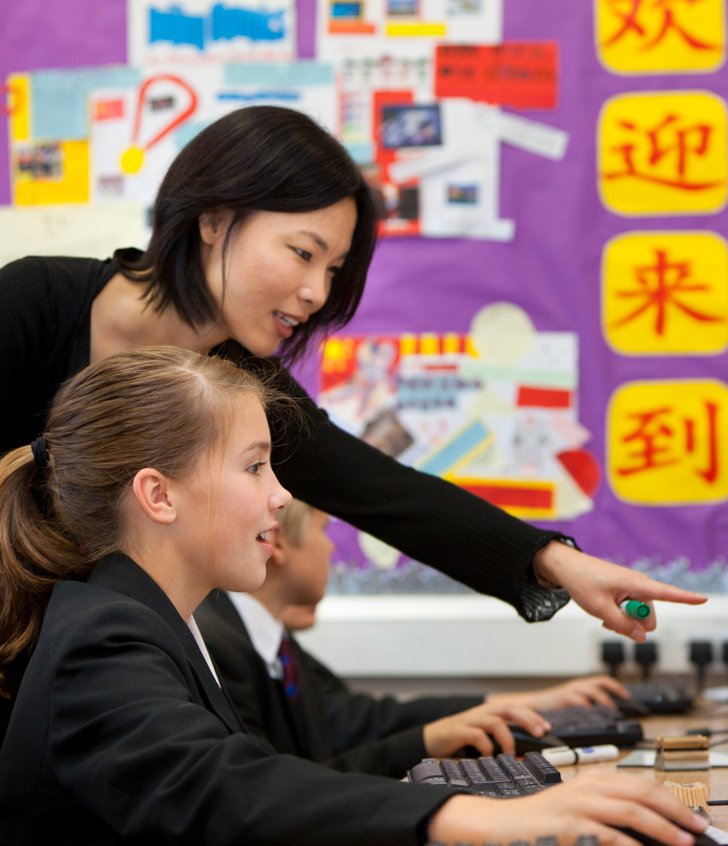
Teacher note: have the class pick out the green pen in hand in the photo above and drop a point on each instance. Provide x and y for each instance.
(636, 609)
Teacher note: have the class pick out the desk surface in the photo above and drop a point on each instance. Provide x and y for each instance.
(716, 778)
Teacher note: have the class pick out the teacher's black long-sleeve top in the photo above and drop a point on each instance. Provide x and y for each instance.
(45, 306)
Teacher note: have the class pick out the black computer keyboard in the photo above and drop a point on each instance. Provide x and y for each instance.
(660, 696)
(592, 725)
(589, 725)
(500, 776)
(503, 777)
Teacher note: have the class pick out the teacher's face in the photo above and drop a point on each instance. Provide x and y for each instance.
(279, 269)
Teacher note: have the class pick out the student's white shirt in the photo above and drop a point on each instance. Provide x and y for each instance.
(197, 635)
(265, 631)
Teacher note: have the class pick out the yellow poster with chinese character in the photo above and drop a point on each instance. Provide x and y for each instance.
(663, 153)
(667, 442)
(660, 36)
(665, 293)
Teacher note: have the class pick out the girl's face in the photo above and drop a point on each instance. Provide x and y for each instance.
(227, 507)
(279, 271)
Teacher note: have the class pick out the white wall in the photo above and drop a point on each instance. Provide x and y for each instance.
(474, 636)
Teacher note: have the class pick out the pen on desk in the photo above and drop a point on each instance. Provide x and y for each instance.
(562, 756)
(635, 608)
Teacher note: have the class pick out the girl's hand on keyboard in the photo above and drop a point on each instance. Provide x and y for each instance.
(478, 727)
(597, 803)
(590, 690)
(599, 587)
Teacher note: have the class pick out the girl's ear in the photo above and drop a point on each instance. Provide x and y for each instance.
(212, 226)
(279, 555)
(151, 490)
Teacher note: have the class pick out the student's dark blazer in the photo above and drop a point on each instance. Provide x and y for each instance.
(327, 723)
(120, 735)
(354, 718)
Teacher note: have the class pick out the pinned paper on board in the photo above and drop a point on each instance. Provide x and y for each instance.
(665, 293)
(649, 38)
(666, 442)
(452, 168)
(433, 163)
(500, 420)
(109, 134)
(519, 74)
(360, 79)
(78, 229)
(189, 30)
(367, 28)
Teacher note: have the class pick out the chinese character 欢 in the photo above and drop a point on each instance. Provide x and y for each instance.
(650, 21)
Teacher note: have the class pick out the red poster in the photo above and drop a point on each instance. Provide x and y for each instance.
(521, 74)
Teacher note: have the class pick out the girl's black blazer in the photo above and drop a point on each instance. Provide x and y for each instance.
(120, 734)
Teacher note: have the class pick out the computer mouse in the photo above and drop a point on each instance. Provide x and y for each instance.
(703, 839)
(525, 742)
(632, 708)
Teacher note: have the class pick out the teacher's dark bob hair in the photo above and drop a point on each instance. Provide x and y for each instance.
(257, 158)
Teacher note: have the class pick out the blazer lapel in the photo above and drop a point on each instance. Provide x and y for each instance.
(118, 572)
(213, 693)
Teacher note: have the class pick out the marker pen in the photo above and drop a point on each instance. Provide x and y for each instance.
(635, 608)
(562, 756)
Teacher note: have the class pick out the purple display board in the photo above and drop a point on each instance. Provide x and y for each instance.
(553, 268)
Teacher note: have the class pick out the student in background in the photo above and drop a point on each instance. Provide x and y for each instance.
(150, 487)
(320, 719)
